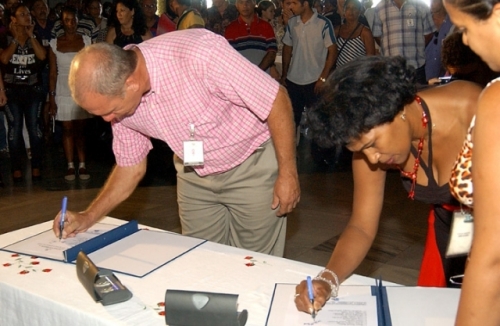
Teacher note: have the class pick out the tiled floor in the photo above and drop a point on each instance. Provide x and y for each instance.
(313, 228)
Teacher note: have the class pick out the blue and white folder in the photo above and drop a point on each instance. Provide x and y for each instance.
(355, 305)
(124, 249)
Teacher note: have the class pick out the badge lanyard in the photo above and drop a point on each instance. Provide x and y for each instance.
(193, 149)
(461, 233)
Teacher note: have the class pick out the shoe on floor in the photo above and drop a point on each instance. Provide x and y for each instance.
(83, 174)
(17, 176)
(35, 174)
(70, 175)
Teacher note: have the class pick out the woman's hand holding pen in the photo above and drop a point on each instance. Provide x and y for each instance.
(321, 293)
(74, 223)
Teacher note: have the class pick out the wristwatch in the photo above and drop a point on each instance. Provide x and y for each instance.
(322, 79)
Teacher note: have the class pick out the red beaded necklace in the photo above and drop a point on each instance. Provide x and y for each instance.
(413, 175)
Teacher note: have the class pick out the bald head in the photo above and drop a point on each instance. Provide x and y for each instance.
(101, 68)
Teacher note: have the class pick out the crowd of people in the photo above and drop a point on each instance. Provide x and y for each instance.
(368, 79)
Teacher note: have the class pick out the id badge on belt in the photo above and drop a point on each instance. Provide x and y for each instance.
(461, 234)
(193, 149)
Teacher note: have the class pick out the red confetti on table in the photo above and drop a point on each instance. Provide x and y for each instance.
(250, 264)
(161, 313)
(15, 255)
(7, 264)
(161, 304)
(35, 263)
(46, 270)
(24, 272)
(248, 257)
(34, 257)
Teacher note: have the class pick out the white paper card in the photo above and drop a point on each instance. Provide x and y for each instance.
(462, 232)
(193, 153)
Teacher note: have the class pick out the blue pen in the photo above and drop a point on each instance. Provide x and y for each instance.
(63, 216)
(311, 295)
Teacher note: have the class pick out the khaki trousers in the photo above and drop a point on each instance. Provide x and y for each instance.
(234, 207)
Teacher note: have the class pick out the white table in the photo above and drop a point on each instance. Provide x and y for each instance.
(56, 297)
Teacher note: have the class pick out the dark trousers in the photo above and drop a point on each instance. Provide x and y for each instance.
(420, 77)
(24, 103)
(301, 96)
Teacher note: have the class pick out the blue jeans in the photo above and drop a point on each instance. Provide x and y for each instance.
(24, 102)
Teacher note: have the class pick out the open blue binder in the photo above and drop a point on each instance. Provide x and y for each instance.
(124, 249)
(282, 304)
(101, 241)
(383, 312)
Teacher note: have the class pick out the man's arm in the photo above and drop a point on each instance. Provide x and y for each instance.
(282, 128)
(268, 60)
(287, 57)
(120, 184)
(329, 62)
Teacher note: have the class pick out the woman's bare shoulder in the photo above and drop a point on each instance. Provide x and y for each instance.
(366, 32)
(459, 93)
(460, 88)
(456, 101)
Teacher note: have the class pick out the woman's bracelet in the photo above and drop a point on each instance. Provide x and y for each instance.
(334, 287)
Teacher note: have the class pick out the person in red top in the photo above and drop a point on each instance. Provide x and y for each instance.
(252, 36)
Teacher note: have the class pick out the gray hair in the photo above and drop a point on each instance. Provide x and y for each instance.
(106, 67)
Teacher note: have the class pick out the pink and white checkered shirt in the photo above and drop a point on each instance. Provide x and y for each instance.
(198, 78)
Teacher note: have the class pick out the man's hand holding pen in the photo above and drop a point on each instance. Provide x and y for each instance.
(73, 224)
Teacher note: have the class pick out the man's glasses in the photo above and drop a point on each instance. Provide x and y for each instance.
(149, 6)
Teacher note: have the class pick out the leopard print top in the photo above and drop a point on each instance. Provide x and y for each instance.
(461, 175)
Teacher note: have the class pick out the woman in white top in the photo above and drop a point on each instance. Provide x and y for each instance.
(62, 106)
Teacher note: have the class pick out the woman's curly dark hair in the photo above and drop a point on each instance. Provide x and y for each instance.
(481, 9)
(365, 93)
(454, 53)
(139, 23)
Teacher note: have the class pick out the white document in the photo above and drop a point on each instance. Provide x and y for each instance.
(47, 245)
(423, 306)
(143, 251)
(355, 305)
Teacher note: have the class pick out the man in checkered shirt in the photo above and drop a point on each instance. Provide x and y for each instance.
(404, 28)
(193, 86)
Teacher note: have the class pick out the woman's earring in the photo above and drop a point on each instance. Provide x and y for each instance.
(403, 115)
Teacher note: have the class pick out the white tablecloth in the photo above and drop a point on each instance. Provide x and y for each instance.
(50, 293)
